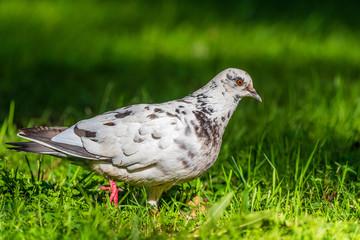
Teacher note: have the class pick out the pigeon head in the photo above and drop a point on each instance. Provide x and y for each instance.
(238, 83)
(229, 86)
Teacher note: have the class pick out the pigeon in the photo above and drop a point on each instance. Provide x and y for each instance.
(155, 146)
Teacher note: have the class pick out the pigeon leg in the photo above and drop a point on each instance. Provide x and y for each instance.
(113, 191)
(154, 194)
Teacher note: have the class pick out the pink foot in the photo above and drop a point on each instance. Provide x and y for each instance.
(113, 191)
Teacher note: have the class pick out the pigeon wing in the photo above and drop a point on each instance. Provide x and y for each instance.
(128, 136)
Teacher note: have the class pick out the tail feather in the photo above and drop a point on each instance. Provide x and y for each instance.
(34, 147)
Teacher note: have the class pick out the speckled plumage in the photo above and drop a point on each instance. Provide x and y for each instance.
(151, 145)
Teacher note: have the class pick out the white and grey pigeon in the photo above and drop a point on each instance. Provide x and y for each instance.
(151, 145)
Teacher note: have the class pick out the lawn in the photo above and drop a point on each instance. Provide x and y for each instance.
(288, 167)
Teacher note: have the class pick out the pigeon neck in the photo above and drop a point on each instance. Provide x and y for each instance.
(215, 102)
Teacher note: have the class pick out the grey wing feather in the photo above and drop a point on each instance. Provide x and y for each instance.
(42, 136)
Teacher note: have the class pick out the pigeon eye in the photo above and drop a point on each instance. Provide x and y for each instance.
(239, 82)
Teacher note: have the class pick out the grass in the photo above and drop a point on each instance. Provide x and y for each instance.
(288, 167)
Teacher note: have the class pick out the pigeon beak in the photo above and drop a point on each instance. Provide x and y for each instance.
(254, 94)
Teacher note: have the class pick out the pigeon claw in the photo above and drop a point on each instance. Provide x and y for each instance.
(113, 192)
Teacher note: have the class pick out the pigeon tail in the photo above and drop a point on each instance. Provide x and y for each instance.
(41, 138)
(34, 147)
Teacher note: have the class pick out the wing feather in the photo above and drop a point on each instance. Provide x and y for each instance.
(130, 136)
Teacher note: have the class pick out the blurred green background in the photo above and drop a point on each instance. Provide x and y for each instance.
(61, 61)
